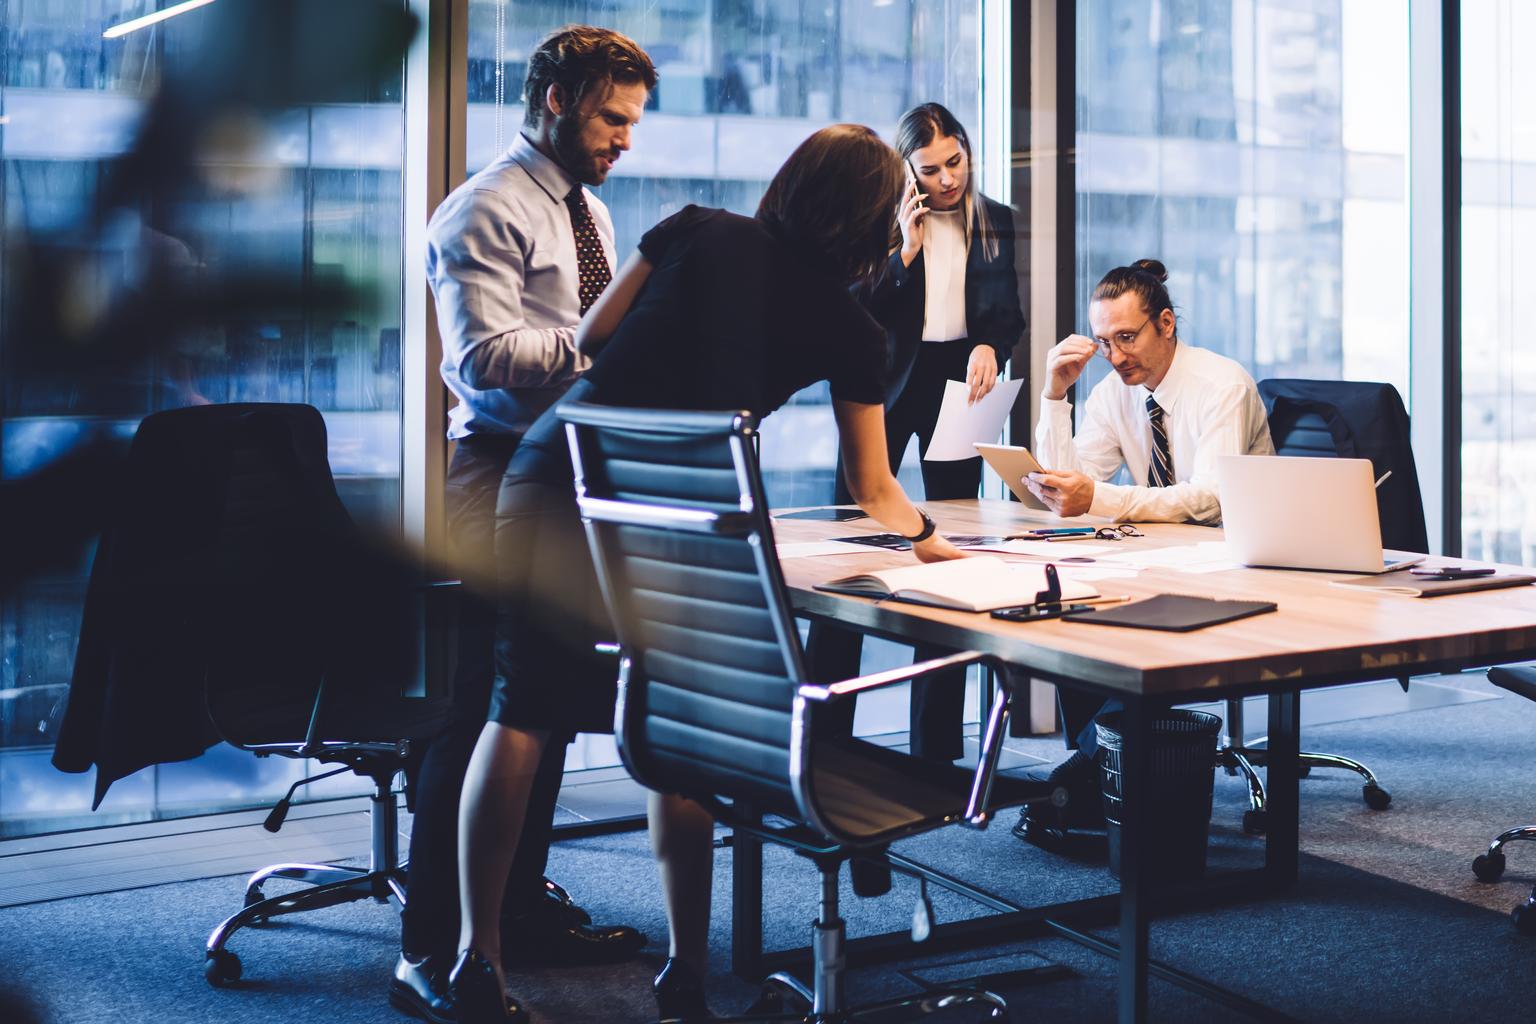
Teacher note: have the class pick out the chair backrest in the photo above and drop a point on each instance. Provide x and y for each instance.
(676, 517)
(1354, 419)
(229, 580)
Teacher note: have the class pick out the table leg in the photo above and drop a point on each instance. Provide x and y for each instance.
(1283, 836)
(1135, 767)
(746, 904)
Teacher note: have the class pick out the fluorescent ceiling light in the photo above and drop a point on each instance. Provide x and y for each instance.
(150, 19)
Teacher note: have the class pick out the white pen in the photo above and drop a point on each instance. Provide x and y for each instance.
(1383, 478)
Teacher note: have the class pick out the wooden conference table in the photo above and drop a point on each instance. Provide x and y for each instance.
(1320, 635)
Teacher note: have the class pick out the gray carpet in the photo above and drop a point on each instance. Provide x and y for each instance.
(1387, 922)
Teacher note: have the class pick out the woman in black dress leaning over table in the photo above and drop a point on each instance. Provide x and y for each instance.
(949, 301)
(715, 311)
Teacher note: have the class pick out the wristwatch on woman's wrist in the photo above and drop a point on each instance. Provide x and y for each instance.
(925, 532)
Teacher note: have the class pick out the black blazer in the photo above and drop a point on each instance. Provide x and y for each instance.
(897, 299)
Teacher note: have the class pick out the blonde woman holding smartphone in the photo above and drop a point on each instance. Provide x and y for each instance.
(949, 302)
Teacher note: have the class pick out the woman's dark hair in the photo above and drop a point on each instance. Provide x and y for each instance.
(1147, 278)
(917, 128)
(578, 58)
(836, 197)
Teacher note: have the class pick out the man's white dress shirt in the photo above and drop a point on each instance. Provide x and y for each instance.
(1210, 407)
(501, 259)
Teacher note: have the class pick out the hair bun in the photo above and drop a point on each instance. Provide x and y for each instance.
(1153, 267)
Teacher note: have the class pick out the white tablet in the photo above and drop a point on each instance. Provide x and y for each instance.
(1012, 464)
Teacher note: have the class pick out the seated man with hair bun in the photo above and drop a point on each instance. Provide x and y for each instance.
(1165, 415)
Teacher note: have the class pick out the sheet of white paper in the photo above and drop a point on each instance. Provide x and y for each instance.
(1207, 556)
(813, 548)
(1042, 548)
(961, 426)
(1091, 573)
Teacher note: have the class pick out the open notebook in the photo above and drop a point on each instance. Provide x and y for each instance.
(967, 584)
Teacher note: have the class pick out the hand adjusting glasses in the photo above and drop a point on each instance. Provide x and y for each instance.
(1125, 341)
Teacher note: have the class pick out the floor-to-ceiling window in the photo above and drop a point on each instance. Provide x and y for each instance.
(1498, 251)
(310, 199)
(1257, 148)
(741, 84)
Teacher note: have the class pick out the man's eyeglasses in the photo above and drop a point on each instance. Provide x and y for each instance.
(1118, 532)
(1122, 340)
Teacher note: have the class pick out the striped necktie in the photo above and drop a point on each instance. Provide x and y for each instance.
(1160, 470)
(592, 270)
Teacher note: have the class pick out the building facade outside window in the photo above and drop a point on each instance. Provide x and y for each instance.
(317, 198)
(1498, 252)
(1258, 148)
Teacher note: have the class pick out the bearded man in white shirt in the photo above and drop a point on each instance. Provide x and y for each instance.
(1165, 415)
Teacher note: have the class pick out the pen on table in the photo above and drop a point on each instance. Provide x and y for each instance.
(1383, 478)
(1103, 600)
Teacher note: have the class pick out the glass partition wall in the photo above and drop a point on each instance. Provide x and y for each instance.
(317, 199)
(1498, 247)
(741, 84)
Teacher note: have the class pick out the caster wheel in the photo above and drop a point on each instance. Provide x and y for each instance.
(1376, 798)
(1488, 867)
(221, 968)
(777, 998)
(1524, 917)
(1255, 823)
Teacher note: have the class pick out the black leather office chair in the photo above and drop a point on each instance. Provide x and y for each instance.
(1335, 419)
(714, 702)
(1489, 867)
(231, 598)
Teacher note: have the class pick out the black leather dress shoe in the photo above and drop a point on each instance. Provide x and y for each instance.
(556, 893)
(477, 995)
(557, 934)
(1078, 778)
(680, 994)
(420, 988)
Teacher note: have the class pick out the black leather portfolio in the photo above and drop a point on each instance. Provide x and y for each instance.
(1178, 613)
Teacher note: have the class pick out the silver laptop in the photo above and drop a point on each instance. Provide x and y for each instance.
(1283, 512)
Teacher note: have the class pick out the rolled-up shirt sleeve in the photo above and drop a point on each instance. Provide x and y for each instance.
(1094, 451)
(1223, 430)
(477, 260)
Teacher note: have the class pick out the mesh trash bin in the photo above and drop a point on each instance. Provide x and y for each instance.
(1178, 793)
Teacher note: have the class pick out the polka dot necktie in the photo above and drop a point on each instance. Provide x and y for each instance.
(592, 267)
(1160, 472)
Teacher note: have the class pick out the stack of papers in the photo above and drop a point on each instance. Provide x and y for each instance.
(1207, 556)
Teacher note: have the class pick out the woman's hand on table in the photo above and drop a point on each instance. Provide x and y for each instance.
(936, 549)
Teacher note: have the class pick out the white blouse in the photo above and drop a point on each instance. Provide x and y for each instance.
(944, 255)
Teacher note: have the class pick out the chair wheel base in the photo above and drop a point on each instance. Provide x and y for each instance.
(222, 968)
(1376, 798)
(1524, 917)
(1488, 867)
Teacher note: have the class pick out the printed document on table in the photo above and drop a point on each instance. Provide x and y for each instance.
(961, 426)
(818, 548)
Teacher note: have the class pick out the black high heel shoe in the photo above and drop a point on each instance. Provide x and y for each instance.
(476, 993)
(680, 994)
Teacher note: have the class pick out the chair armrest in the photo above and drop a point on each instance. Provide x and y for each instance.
(824, 692)
(976, 811)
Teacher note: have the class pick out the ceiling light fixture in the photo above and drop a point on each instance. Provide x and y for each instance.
(149, 19)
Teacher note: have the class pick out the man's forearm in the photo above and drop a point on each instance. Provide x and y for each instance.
(525, 358)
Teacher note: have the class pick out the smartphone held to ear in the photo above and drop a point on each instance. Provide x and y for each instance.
(915, 187)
